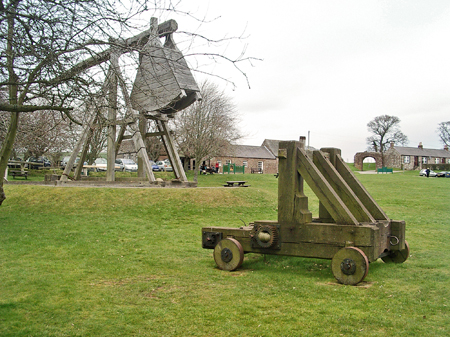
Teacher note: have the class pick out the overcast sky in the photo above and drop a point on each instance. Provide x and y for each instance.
(330, 67)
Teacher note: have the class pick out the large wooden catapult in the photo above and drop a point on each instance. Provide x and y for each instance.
(164, 85)
(351, 230)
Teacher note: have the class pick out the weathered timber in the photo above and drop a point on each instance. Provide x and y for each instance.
(124, 46)
(360, 191)
(292, 202)
(164, 81)
(324, 191)
(351, 229)
(348, 197)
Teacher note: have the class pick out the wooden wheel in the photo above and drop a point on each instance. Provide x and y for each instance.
(229, 254)
(397, 256)
(350, 265)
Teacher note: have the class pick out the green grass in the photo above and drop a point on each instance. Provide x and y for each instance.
(128, 262)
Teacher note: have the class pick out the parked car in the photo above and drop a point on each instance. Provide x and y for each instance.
(66, 160)
(424, 173)
(164, 165)
(154, 166)
(443, 174)
(102, 165)
(128, 164)
(40, 162)
(168, 167)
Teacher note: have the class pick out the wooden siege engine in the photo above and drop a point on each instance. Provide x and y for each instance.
(163, 86)
(351, 230)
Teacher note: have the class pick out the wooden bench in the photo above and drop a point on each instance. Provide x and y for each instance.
(385, 170)
(238, 183)
(256, 170)
(19, 174)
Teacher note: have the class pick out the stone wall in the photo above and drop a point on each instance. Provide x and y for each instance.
(360, 156)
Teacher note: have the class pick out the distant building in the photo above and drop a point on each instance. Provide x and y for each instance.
(256, 159)
(413, 158)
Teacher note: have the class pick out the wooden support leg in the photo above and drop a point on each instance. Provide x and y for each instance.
(73, 156)
(84, 152)
(141, 151)
(171, 151)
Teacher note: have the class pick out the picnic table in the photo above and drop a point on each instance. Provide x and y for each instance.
(237, 183)
(19, 174)
(17, 168)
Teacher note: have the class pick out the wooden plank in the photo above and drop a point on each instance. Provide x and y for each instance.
(164, 29)
(339, 185)
(292, 202)
(323, 190)
(360, 191)
(322, 233)
(76, 150)
(171, 150)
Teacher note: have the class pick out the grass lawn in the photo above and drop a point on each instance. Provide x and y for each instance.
(128, 262)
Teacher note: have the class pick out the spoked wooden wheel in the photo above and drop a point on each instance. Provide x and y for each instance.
(229, 254)
(397, 256)
(350, 265)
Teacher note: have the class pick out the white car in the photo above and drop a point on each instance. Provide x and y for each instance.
(102, 165)
(164, 166)
(128, 164)
(424, 173)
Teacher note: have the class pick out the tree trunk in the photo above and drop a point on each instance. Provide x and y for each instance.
(196, 171)
(6, 150)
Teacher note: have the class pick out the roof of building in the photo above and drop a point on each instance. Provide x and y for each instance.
(422, 152)
(249, 151)
(273, 145)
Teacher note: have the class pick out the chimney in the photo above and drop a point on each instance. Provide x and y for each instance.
(302, 140)
(446, 147)
(420, 145)
(392, 145)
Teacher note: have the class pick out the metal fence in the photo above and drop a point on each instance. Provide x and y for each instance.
(233, 169)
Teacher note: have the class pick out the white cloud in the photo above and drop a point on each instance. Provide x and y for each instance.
(331, 66)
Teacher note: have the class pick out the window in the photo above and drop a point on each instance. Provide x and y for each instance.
(424, 160)
(260, 165)
(437, 161)
(245, 163)
(406, 159)
(448, 160)
(228, 161)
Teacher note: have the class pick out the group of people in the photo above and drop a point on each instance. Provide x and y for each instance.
(211, 169)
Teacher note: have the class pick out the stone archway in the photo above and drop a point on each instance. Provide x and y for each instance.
(360, 156)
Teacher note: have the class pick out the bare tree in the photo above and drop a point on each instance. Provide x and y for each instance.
(42, 132)
(207, 126)
(444, 132)
(44, 47)
(154, 145)
(385, 129)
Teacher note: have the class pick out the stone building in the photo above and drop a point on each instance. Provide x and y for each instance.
(256, 159)
(415, 158)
